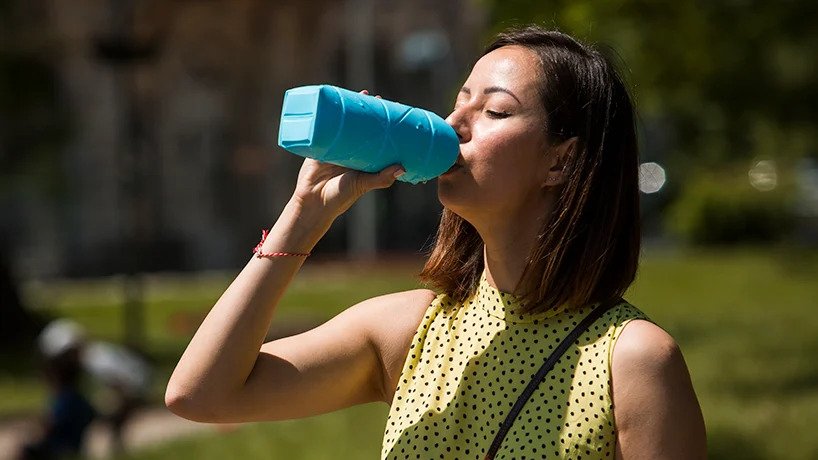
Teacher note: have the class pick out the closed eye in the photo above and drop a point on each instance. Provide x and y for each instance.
(495, 114)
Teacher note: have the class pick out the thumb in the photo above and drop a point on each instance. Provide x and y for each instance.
(384, 178)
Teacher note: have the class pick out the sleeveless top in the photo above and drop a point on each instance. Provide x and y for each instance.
(468, 363)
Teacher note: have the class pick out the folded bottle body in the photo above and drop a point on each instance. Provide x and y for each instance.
(365, 133)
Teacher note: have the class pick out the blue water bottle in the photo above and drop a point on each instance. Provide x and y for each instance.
(362, 132)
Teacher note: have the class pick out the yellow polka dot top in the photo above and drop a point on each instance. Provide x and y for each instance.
(468, 364)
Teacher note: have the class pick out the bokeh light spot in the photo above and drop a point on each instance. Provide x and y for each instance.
(651, 177)
(763, 175)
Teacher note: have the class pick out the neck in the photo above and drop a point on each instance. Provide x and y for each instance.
(508, 240)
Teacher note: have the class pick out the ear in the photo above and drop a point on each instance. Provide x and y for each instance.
(553, 171)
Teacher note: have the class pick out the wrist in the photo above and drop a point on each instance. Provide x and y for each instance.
(308, 219)
(298, 230)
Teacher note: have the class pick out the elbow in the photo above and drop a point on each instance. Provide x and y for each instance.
(179, 402)
(175, 400)
(186, 404)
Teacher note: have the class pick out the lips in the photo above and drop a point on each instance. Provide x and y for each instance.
(457, 165)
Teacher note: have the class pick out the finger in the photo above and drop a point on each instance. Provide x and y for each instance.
(363, 91)
(384, 178)
(379, 96)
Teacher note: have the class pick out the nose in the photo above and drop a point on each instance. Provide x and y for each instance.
(458, 120)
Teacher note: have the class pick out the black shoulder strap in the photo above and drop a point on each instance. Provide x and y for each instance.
(547, 366)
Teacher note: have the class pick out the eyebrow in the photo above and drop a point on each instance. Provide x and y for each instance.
(492, 89)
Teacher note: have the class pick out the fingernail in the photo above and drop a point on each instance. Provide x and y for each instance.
(398, 173)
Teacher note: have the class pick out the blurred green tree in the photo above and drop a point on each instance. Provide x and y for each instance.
(718, 86)
(731, 79)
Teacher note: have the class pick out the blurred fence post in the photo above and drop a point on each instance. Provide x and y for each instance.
(121, 50)
(362, 232)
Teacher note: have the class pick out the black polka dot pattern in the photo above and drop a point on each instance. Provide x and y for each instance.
(469, 362)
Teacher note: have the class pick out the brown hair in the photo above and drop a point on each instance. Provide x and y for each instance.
(588, 250)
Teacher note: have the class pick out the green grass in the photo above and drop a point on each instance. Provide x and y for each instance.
(747, 325)
(174, 306)
(745, 320)
(353, 433)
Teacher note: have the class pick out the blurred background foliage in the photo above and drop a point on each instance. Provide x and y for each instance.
(720, 207)
(731, 79)
(719, 86)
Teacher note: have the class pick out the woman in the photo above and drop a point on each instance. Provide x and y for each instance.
(540, 227)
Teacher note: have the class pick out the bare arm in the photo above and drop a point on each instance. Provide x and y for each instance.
(656, 410)
(225, 374)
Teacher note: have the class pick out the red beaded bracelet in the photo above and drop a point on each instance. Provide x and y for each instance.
(259, 254)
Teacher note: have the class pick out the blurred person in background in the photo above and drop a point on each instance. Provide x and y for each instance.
(540, 228)
(123, 377)
(69, 412)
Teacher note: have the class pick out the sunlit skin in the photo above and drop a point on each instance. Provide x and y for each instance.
(500, 121)
(510, 173)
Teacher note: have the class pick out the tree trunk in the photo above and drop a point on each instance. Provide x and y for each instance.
(18, 326)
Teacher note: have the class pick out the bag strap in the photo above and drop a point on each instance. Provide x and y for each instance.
(540, 375)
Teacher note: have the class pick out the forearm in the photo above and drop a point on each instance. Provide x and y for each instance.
(222, 353)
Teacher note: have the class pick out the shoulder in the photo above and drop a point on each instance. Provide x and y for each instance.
(390, 324)
(655, 406)
(643, 344)
(644, 352)
(392, 307)
(398, 312)
(396, 306)
(383, 317)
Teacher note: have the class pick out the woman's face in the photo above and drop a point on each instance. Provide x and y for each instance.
(501, 124)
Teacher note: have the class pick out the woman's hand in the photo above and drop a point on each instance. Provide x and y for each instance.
(335, 189)
(332, 189)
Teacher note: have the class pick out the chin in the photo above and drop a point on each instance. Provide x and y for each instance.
(447, 194)
(455, 200)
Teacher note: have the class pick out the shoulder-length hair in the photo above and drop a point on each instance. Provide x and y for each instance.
(587, 251)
